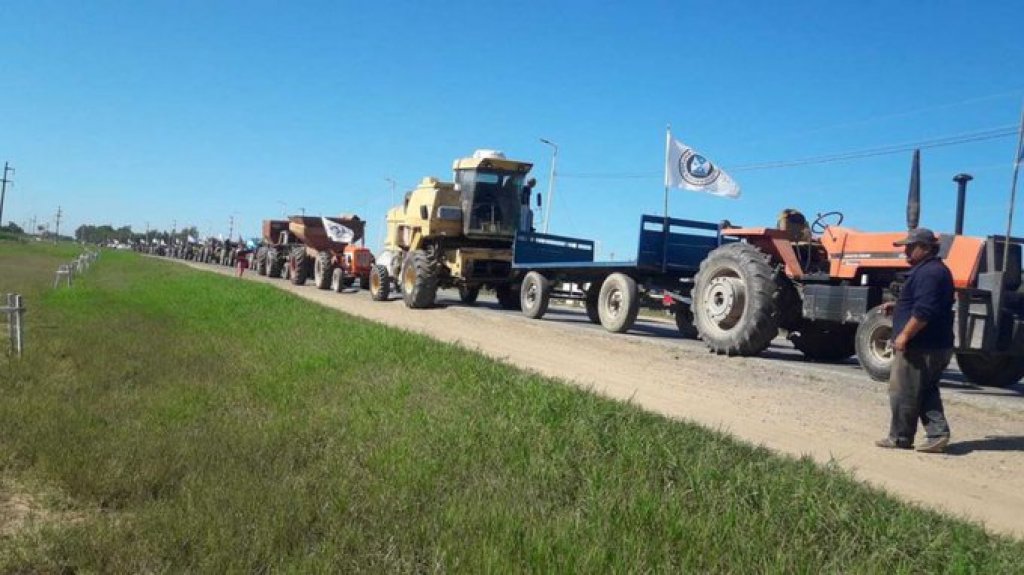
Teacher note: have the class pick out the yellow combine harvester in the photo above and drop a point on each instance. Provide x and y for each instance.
(456, 234)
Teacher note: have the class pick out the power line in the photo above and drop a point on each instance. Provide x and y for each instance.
(953, 140)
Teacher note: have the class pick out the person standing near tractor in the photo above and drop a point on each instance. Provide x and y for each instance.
(922, 346)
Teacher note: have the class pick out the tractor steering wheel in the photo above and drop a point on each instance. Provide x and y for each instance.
(822, 221)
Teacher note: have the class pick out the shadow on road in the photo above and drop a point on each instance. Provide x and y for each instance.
(990, 443)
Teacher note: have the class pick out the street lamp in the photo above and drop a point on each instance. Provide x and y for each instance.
(551, 181)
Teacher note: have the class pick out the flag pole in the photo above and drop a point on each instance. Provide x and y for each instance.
(1017, 158)
(668, 143)
(664, 223)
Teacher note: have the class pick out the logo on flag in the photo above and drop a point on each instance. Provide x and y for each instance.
(338, 232)
(688, 169)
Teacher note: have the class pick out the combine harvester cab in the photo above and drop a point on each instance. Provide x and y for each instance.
(327, 251)
(455, 234)
(824, 285)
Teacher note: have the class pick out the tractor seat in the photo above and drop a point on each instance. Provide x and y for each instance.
(794, 224)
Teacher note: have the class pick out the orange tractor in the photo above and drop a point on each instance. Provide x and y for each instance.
(823, 284)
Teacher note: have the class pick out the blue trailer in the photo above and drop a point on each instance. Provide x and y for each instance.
(669, 253)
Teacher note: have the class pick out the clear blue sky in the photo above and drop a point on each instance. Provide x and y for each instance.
(134, 112)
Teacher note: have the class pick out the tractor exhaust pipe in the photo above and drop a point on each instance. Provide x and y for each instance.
(914, 195)
(961, 197)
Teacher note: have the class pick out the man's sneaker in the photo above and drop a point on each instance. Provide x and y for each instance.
(890, 443)
(934, 444)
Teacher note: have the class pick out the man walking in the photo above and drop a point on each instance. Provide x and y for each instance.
(922, 345)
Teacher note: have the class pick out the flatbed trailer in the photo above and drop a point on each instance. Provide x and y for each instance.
(669, 252)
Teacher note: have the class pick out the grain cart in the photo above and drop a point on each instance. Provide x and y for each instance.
(455, 234)
(824, 284)
(669, 252)
(328, 251)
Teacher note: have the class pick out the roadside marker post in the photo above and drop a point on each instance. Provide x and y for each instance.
(15, 311)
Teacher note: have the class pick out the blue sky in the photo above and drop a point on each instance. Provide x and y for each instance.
(194, 112)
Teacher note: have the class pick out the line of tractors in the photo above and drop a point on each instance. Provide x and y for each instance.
(818, 283)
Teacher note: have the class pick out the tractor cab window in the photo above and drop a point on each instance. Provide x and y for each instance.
(491, 200)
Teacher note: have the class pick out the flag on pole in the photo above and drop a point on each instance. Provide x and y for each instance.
(687, 169)
(338, 232)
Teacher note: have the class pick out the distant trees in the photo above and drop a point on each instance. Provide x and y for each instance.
(108, 234)
(13, 228)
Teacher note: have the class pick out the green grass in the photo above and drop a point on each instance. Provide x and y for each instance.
(194, 422)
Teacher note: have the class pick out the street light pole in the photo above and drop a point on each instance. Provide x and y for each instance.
(3, 191)
(551, 181)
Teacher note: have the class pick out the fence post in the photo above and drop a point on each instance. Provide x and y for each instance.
(15, 323)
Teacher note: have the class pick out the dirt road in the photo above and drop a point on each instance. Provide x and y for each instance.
(831, 413)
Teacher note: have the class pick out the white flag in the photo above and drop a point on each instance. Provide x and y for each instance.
(338, 232)
(689, 170)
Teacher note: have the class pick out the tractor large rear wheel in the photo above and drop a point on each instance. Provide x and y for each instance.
(734, 303)
(322, 270)
(990, 369)
(297, 266)
(618, 303)
(260, 261)
(419, 280)
(825, 341)
(380, 283)
(874, 344)
(273, 264)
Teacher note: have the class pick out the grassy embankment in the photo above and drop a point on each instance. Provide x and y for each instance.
(179, 421)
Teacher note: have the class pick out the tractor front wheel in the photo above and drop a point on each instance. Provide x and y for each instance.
(338, 280)
(873, 343)
(380, 283)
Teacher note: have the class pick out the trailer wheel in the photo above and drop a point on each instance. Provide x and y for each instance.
(734, 300)
(338, 280)
(590, 302)
(684, 321)
(991, 369)
(380, 284)
(468, 294)
(874, 344)
(419, 280)
(322, 270)
(298, 266)
(508, 298)
(618, 303)
(534, 295)
(824, 341)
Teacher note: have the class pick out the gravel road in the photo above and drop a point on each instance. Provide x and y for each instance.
(832, 413)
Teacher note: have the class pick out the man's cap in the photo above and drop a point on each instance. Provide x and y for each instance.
(918, 236)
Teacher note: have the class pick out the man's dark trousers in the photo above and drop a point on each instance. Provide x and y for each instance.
(914, 393)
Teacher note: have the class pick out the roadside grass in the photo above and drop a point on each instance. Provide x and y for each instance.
(193, 422)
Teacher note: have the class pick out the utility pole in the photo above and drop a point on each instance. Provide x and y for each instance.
(56, 236)
(3, 191)
(392, 182)
(231, 226)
